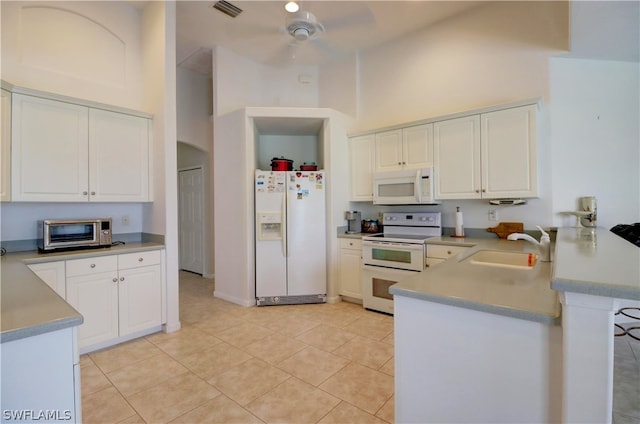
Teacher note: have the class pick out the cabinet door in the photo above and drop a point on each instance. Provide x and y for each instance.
(456, 145)
(95, 296)
(49, 150)
(349, 268)
(140, 299)
(388, 151)
(118, 157)
(417, 146)
(509, 153)
(53, 274)
(361, 151)
(5, 146)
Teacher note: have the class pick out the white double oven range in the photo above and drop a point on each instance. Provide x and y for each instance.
(396, 253)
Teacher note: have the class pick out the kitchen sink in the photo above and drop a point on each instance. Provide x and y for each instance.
(504, 259)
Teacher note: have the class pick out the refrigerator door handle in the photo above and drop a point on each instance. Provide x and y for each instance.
(283, 225)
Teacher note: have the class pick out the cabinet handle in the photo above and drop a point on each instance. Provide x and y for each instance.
(140, 259)
(92, 265)
(404, 163)
(84, 193)
(121, 278)
(448, 252)
(93, 193)
(477, 191)
(115, 280)
(399, 163)
(484, 191)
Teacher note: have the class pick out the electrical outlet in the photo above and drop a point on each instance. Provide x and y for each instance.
(125, 220)
(493, 214)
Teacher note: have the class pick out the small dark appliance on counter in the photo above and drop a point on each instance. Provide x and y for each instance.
(353, 222)
(629, 232)
(370, 226)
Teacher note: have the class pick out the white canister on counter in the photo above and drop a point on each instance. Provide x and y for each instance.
(459, 231)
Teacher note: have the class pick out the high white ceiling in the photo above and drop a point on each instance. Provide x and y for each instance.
(258, 32)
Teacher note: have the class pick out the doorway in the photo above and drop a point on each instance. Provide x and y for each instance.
(191, 219)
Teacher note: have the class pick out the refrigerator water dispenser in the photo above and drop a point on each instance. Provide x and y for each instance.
(269, 226)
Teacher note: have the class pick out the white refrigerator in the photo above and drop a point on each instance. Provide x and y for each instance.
(290, 237)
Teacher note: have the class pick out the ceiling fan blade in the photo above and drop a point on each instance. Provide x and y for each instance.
(360, 18)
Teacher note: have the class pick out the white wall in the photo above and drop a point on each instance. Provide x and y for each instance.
(194, 108)
(239, 82)
(161, 216)
(495, 53)
(52, 46)
(19, 219)
(596, 138)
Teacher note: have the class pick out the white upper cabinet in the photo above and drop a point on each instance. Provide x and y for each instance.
(49, 150)
(388, 150)
(114, 176)
(361, 151)
(456, 146)
(488, 156)
(5, 146)
(406, 148)
(63, 152)
(509, 153)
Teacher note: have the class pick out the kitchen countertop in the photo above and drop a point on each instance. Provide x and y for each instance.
(29, 307)
(516, 293)
(342, 233)
(596, 262)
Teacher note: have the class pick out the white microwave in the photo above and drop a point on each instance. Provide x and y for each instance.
(406, 187)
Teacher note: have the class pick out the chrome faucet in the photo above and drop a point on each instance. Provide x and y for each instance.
(544, 245)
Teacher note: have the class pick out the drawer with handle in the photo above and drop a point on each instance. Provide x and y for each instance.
(443, 251)
(95, 265)
(351, 243)
(134, 260)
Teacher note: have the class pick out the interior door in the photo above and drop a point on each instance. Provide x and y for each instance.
(191, 219)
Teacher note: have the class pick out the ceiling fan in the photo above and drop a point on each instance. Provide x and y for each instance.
(303, 25)
(300, 36)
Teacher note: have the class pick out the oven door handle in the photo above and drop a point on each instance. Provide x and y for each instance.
(407, 246)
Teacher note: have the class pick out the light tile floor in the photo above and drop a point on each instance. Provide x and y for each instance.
(287, 364)
(326, 363)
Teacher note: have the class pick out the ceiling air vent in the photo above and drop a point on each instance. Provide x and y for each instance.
(227, 8)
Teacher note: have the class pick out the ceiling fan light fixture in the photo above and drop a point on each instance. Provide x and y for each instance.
(301, 34)
(303, 26)
(292, 7)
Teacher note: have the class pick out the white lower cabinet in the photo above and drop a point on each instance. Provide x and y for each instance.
(41, 379)
(117, 295)
(438, 253)
(350, 265)
(53, 274)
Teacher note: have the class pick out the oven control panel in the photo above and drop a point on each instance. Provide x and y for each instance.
(416, 219)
